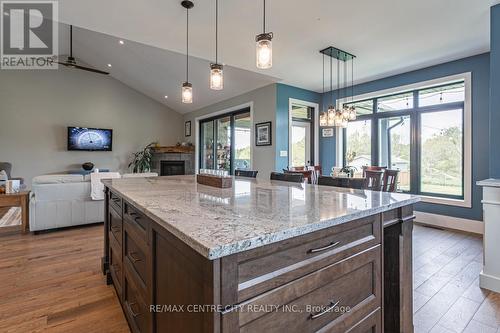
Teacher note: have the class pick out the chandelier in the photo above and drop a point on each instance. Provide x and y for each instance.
(340, 116)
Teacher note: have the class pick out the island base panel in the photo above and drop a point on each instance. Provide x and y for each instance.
(157, 276)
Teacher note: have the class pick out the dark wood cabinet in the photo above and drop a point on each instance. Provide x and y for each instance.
(346, 278)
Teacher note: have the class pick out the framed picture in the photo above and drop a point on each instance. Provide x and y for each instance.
(187, 128)
(327, 132)
(263, 134)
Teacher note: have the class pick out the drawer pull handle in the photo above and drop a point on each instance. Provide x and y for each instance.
(133, 214)
(134, 314)
(117, 200)
(328, 309)
(331, 245)
(115, 228)
(132, 256)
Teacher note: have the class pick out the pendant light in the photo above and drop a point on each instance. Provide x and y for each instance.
(187, 87)
(323, 117)
(264, 47)
(216, 69)
(331, 109)
(352, 109)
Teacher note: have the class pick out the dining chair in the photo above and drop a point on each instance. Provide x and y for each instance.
(288, 177)
(307, 174)
(372, 168)
(354, 183)
(246, 173)
(373, 180)
(315, 173)
(390, 180)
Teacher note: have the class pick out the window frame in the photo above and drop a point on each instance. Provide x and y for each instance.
(415, 113)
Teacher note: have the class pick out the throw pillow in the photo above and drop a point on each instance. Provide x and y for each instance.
(3, 175)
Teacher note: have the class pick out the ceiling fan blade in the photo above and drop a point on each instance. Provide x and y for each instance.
(91, 70)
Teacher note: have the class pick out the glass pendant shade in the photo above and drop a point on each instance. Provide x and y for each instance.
(187, 93)
(352, 113)
(323, 119)
(216, 77)
(338, 119)
(264, 51)
(331, 116)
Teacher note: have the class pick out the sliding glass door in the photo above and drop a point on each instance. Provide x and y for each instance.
(225, 142)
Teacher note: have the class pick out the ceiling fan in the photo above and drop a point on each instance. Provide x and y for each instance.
(71, 61)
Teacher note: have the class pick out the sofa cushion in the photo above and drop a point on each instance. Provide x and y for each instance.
(58, 179)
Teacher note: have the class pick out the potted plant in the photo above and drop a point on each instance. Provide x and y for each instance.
(141, 161)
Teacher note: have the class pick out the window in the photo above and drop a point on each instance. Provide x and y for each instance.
(441, 153)
(225, 142)
(395, 147)
(358, 144)
(420, 132)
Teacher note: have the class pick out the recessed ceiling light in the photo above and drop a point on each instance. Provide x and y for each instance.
(109, 65)
(166, 96)
(121, 42)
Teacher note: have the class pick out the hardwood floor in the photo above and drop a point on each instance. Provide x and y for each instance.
(40, 292)
(447, 297)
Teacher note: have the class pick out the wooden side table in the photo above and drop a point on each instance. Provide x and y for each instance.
(19, 199)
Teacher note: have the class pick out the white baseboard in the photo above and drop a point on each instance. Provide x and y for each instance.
(450, 222)
(489, 282)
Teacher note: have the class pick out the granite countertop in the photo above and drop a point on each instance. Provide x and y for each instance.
(219, 222)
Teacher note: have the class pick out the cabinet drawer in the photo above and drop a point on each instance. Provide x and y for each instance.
(135, 255)
(316, 301)
(371, 324)
(115, 267)
(115, 202)
(136, 309)
(269, 267)
(115, 226)
(137, 220)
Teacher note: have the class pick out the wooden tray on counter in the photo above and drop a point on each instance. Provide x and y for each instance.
(214, 181)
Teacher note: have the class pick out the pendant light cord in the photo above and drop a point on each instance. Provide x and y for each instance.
(71, 41)
(331, 83)
(352, 79)
(264, 21)
(216, 31)
(187, 44)
(323, 72)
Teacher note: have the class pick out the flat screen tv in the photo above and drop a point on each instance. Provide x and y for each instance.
(90, 139)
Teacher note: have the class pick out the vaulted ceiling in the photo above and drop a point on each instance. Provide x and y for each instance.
(388, 37)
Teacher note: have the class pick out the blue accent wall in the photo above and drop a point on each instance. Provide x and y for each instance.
(283, 94)
(495, 93)
(479, 66)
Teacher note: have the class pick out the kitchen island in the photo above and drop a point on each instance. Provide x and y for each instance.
(262, 256)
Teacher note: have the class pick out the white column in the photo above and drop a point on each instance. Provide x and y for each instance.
(490, 276)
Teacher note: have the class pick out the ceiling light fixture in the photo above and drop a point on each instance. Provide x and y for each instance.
(216, 69)
(343, 114)
(109, 65)
(121, 42)
(166, 96)
(187, 87)
(264, 47)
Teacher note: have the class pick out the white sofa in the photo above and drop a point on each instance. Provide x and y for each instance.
(59, 201)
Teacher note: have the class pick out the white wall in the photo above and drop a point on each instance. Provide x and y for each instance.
(37, 106)
(264, 109)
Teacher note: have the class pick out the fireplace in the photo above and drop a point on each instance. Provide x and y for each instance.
(172, 168)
